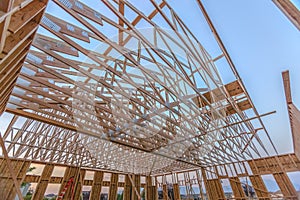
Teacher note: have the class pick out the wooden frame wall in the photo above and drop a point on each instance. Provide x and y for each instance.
(79, 175)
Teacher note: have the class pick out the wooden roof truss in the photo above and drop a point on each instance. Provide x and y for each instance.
(97, 89)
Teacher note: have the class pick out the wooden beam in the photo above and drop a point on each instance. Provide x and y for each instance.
(11, 169)
(286, 186)
(79, 184)
(5, 7)
(21, 174)
(22, 17)
(150, 189)
(176, 190)
(215, 189)
(70, 172)
(113, 188)
(233, 89)
(165, 192)
(136, 184)
(97, 185)
(290, 10)
(43, 182)
(294, 113)
(237, 188)
(287, 87)
(41, 119)
(259, 187)
(269, 165)
(17, 28)
(127, 188)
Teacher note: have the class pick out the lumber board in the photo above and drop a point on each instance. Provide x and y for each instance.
(43, 182)
(259, 187)
(97, 185)
(113, 188)
(290, 10)
(286, 186)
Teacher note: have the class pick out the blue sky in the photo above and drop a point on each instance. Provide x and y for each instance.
(262, 43)
(296, 3)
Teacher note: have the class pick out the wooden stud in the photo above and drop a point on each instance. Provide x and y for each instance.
(43, 182)
(113, 188)
(97, 185)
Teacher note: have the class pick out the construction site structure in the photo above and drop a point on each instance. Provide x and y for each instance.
(122, 96)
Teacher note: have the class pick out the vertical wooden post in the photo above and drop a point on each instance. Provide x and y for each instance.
(237, 188)
(79, 184)
(286, 186)
(127, 188)
(215, 189)
(70, 172)
(97, 185)
(203, 172)
(43, 182)
(151, 190)
(113, 188)
(148, 188)
(294, 113)
(165, 192)
(155, 190)
(176, 191)
(137, 184)
(8, 190)
(199, 179)
(259, 187)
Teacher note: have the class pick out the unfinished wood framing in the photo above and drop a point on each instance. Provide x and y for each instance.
(290, 10)
(176, 190)
(260, 187)
(237, 188)
(294, 113)
(79, 184)
(71, 172)
(146, 104)
(213, 186)
(43, 182)
(8, 189)
(215, 190)
(127, 188)
(113, 188)
(223, 105)
(97, 185)
(151, 190)
(18, 24)
(136, 187)
(286, 186)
